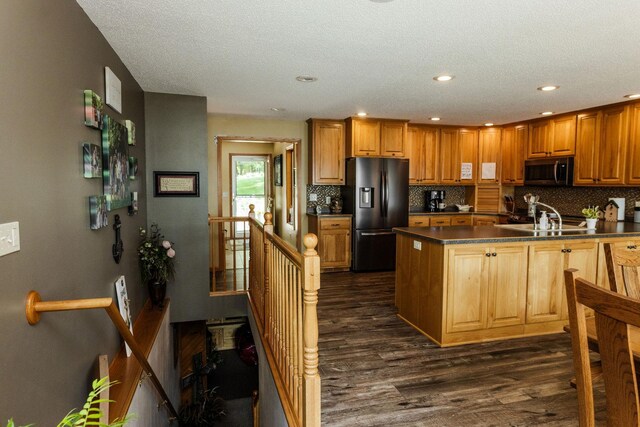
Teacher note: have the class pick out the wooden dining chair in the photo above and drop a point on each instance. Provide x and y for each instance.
(613, 313)
(623, 269)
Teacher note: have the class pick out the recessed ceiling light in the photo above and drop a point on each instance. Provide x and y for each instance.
(306, 79)
(633, 96)
(362, 114)
(547, 113)
(277, 110)
(548, 88)
(434, 119)
(443, 78)
(488, 124)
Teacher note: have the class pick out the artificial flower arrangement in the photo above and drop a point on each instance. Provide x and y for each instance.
(156, 255)
(591, 212)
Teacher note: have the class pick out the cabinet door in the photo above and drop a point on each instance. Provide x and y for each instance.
(489, 152)
(449, 169)
(613, 145)
(468, 149)
(440, 221)
(327, 160)
(538, 145)
(507, 286)
(334, 245)
(461, 220)
(546, 283)
(485, 220)
(467, 279)
(392, 139)
(584, 258)
(513, 143)
(633, 165)
(366, 138)
(416, 146)
(585, 170)
(431, 161)
(562, 136)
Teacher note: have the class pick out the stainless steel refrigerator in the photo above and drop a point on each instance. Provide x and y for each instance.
(377, 194)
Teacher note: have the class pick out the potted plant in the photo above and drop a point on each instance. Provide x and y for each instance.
(591, 216)
(156, 255)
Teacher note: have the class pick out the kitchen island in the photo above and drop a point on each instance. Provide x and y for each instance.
(467, 284)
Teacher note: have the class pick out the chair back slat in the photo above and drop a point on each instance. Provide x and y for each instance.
(623, 270)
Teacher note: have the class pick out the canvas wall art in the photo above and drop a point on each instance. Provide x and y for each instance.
(98, 217)
(131, 131)
(133, 168)
(92, 160)
(115, 164)
(93, 109)
(123, 305)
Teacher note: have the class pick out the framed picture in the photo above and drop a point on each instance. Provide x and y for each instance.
(131, 131)
(115, 164)
(133, 168)
(92, 160)
(98, 217)
(133, 207)
(172, 184)
(123, 305)
(277, 170)
(93, 109)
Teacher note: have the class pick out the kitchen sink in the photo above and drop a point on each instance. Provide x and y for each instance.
(528, 228)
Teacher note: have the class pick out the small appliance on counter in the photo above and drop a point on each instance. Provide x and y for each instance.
(434, 201)
(636, 212)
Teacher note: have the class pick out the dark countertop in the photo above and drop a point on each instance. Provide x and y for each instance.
(329, 214)
(412, 213)
(499, 234)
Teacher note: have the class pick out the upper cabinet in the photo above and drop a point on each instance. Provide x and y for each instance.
(326, 154)
(423, 148)
(489, 155)
(601, 146)
(458, 151)
(375, 137)
(633, 165)
(554, 137)
(514, 142)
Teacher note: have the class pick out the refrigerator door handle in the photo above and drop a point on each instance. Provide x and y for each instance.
(386, 193)
(382, 233)
(383, 194)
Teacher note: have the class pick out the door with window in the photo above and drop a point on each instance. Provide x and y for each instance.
(250, 184)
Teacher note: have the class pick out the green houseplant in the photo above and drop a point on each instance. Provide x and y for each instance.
(591, 214)
(156, 256)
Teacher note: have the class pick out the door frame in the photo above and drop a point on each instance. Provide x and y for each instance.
(268, 178)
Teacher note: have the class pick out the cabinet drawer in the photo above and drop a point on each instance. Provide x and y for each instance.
(461, 220)
(335, 223)
(435, 222)
(418, 221)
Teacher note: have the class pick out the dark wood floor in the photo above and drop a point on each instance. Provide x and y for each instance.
(378, 371)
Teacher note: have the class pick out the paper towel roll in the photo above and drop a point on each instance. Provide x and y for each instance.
(620, 202)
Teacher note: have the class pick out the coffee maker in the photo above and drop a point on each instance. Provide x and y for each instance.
(432, 200)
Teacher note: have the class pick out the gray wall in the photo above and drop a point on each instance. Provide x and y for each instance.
(50, 52)
(177, 141)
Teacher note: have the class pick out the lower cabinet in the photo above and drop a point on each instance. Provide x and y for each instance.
(486, 287)
(334, 241)
(485, 220)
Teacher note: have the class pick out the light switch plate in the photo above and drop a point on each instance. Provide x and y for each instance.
(417, 245)
(313, 197)
(9, 238)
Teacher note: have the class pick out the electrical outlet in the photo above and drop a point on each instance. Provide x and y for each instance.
(417, 245)
(313, 197)
(9, 238)
(328, 200)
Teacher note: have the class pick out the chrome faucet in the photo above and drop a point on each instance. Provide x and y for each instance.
(554, 211)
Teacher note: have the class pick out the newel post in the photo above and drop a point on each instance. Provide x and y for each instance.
(252, 214)
(267, 229)
(311, 286)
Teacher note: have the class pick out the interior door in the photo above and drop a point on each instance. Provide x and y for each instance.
(249, 185)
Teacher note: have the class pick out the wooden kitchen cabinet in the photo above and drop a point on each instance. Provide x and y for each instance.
(334, 241)
(461, 220)
(327, 152)
(458, 146)
(419, 221)
(440, 221)
(546, 300)
(633, 157)
(601, 147)
(375, 137)
(423, 148)
(489, 152)
(514, 143)
(486, 287)
(552, 138)
(485, 220)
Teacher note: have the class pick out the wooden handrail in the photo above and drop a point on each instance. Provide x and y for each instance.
(35, 306)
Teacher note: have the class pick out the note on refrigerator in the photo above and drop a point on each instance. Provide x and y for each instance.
(488, 171)
(466, 171)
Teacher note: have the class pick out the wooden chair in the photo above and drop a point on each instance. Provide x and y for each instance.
(613, 313)
(623, 270)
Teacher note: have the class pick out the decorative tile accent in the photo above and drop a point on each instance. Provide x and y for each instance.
(452, 195)
(571, 200)
(323, 191)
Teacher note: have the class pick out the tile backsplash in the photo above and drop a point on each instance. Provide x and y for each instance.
(571, 200)
(452, 195)
(322, 192)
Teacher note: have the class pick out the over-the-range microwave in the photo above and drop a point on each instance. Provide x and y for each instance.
(556, 172)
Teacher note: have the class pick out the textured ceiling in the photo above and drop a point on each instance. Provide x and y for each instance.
(244, 55)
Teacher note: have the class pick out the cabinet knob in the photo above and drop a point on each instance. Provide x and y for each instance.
(335, 225)
(569, 250)
(632, 247)
(563, 251)
(487, 254)
(494, 254)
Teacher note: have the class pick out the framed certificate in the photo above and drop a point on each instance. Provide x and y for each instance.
(176, 184)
